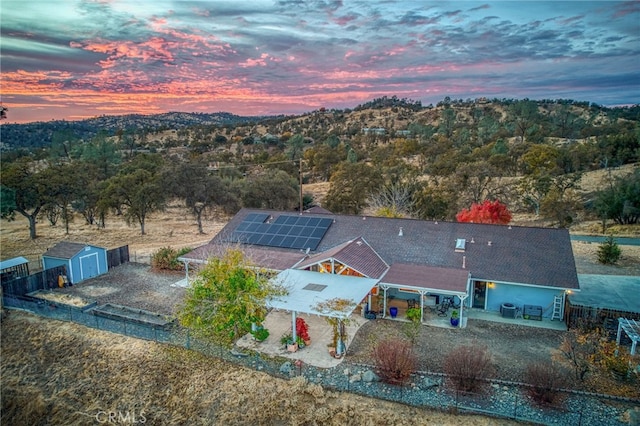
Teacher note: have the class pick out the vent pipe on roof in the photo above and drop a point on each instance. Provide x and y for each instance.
(472, 241)
(464, 262)
(489, 242)
(400, 233)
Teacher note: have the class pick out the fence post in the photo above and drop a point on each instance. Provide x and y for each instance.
(188, 342)
(70, 314)
(515, 407)
(124, 321)
(580, 414)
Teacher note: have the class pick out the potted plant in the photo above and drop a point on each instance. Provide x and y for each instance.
(302, 330)
(288, 342)
(413, 314)
(260, 334)
(455, 318)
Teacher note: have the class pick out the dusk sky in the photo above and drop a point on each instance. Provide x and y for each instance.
(79, 59)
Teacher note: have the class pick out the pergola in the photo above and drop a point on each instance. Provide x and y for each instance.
(308, 291)
(632, 328)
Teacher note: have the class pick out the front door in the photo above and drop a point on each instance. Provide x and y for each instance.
(479, 294)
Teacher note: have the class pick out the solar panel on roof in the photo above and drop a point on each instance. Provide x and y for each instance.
(256, 217)
(287, 231)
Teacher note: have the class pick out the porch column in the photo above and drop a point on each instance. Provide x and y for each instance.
(462, 299)
(384, 302)
(422, 295)
(293, 326)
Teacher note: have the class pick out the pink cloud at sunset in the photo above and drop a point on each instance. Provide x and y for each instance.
(77, 59)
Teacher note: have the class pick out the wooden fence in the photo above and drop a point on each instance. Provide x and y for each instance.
(43, 280)
(117, 256)
(48, 279)
(575, 313)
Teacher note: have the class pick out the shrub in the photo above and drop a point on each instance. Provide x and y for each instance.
(608, 251)
(167, 258)
(414, 314)
(545, 379)
(260, 334)
(394, 360)
(468, 367)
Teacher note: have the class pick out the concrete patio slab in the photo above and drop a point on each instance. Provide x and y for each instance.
(279, 323)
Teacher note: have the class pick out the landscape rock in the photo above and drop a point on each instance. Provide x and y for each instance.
(370, 376)
(286, 368)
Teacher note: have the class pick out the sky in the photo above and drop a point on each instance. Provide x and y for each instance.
(69, 59)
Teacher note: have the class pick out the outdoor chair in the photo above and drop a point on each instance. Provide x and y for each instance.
(443, 308)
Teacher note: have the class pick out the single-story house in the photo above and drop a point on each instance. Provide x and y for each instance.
(83, 261)
(480, 266)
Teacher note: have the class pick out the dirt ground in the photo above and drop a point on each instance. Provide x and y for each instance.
(59, 373)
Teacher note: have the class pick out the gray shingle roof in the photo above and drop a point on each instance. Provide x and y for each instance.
(263, 257)
(427, 277)
(65, 250)
(509, 254)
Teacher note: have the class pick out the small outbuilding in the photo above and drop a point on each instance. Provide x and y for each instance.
(83, 261)
(11, 269)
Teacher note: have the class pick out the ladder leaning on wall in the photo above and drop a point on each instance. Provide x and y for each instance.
(558, 302)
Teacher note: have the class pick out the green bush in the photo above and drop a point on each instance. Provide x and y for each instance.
(608, 251)
(260, 334)
(414, 314)
(166, 258)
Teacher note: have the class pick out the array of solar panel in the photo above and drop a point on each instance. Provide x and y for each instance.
(297, 232)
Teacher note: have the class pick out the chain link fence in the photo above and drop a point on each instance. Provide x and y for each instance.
(425, 389)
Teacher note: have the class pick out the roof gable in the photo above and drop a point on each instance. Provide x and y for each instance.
(357, 254)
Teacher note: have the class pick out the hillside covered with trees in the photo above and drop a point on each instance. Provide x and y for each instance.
(390, 156)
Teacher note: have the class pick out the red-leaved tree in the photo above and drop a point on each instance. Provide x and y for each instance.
(487, 212)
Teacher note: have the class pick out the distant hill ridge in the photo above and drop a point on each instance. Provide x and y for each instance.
(40, 134)
(385, 114)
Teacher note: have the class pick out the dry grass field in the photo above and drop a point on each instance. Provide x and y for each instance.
(59, 373)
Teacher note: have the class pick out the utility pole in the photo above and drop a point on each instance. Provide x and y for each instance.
(300, 177)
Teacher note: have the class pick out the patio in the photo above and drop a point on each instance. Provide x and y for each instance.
(433, 319)
(278, 322)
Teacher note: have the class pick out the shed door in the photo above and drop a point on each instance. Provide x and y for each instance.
(88, 266)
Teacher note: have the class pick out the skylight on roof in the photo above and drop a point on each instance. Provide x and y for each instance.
(460, 244)
(314, 287)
